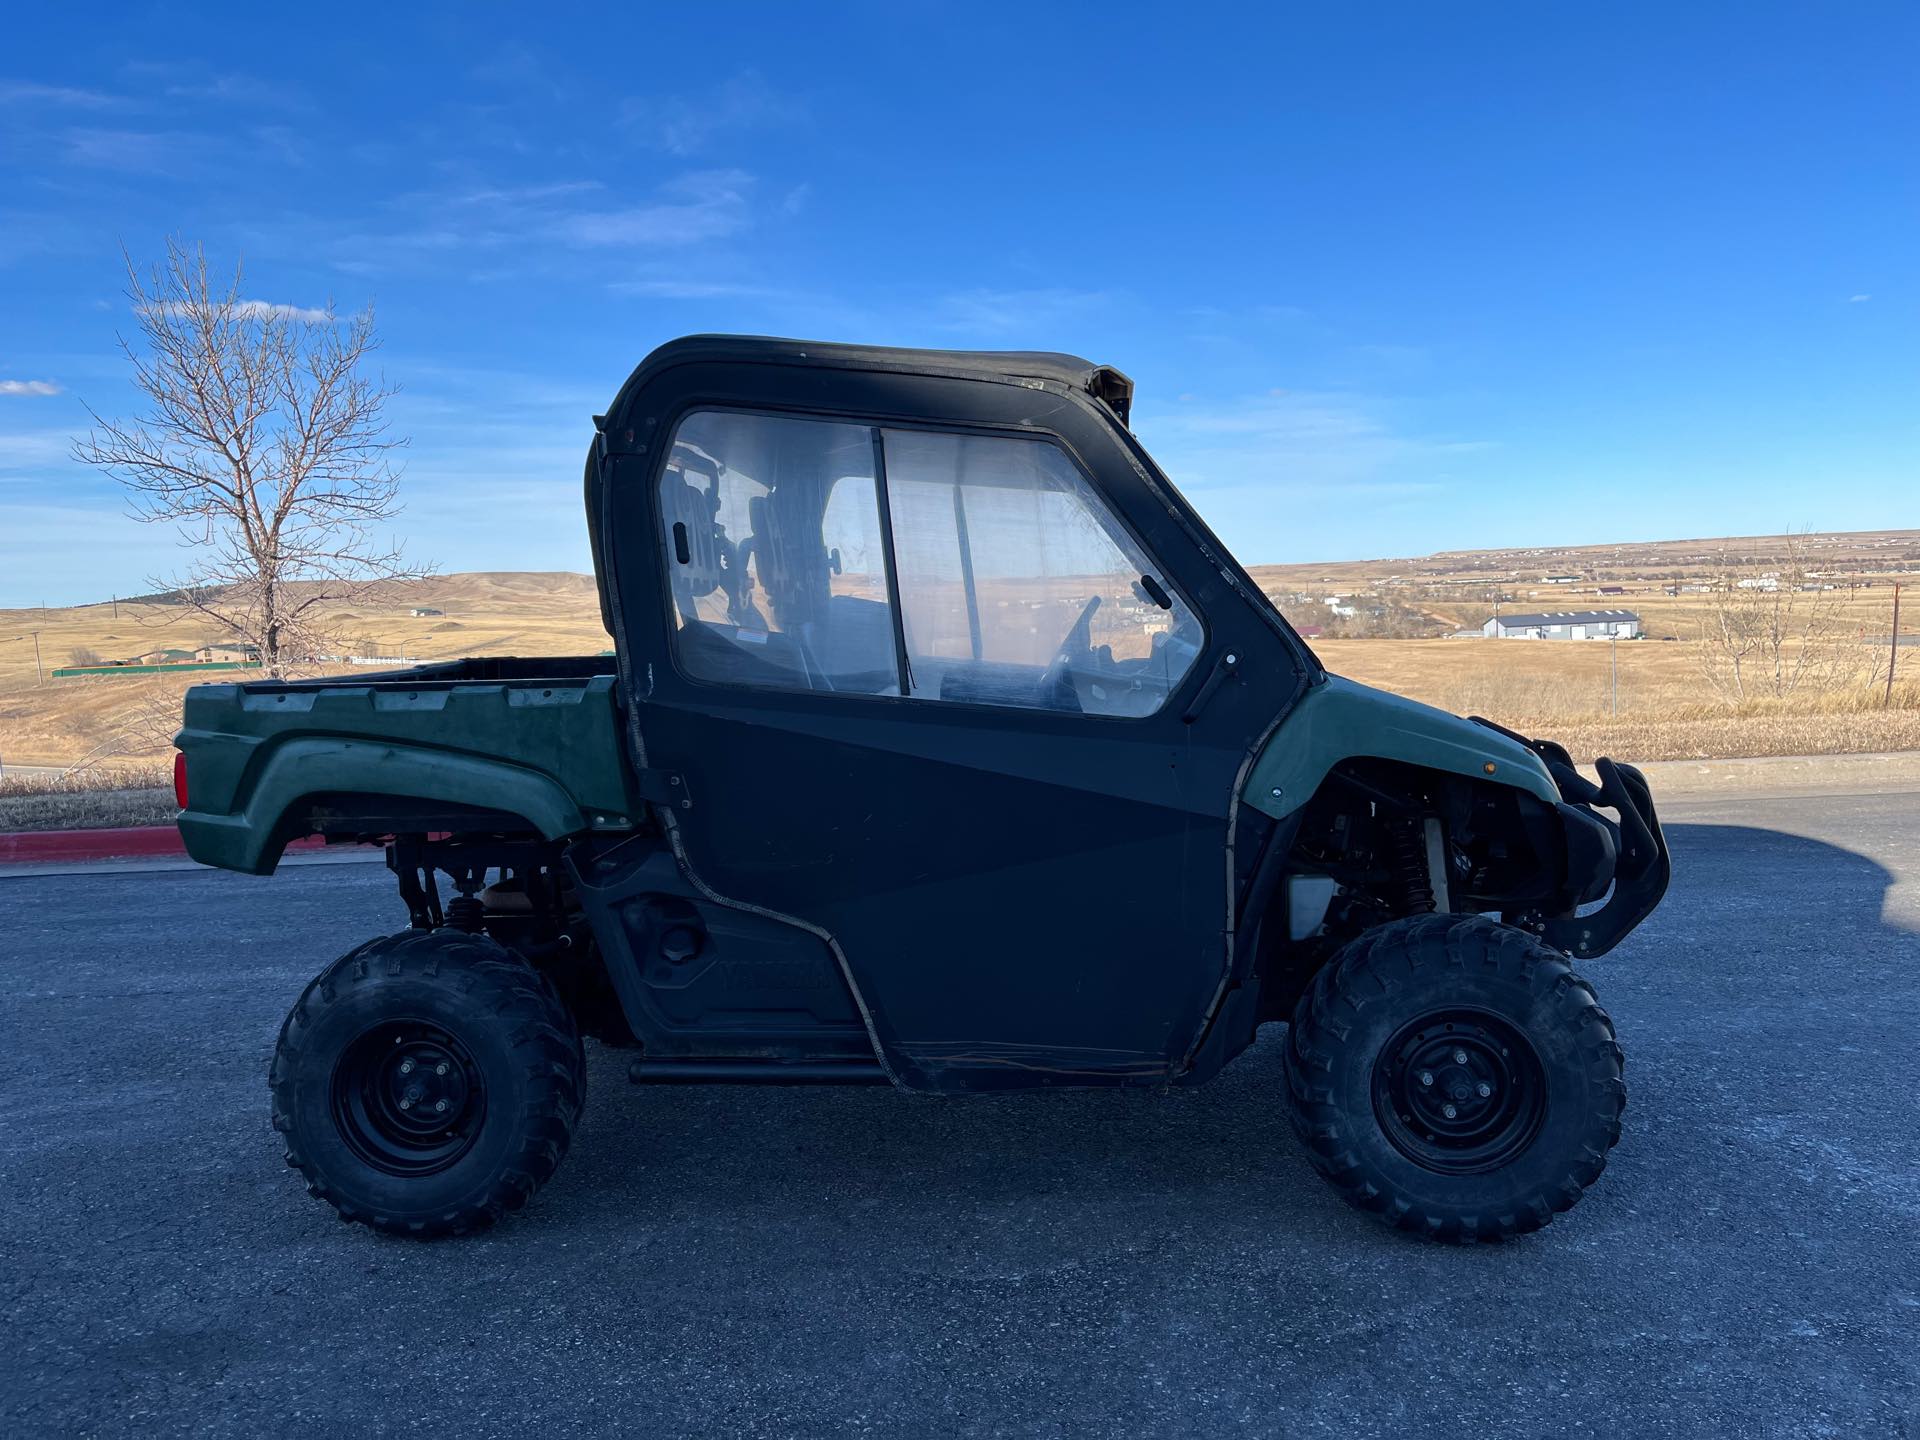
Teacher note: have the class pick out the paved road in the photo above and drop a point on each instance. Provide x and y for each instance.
(778, 1262)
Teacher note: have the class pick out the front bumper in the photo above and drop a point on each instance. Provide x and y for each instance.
(1641, 866)
(1625, 860)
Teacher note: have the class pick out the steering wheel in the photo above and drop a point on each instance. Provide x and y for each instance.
(1055, 690)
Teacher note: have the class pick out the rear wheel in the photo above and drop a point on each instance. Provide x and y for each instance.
(427, 1083)
(1454, 1077)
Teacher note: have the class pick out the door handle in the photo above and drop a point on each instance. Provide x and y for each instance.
(1224, 669)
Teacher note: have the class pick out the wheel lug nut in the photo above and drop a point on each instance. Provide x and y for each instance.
(406, 1067)
(441, 1106)
(1485, 1090)
(1459, 1057)
(406, 1104)
(440, 1069)
(1448, 1111)
(1426, 1077)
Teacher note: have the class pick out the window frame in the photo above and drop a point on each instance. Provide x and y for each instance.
(877, 425)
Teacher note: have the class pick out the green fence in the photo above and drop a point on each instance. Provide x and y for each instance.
(184, 668)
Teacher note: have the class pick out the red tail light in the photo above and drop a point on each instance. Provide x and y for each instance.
(180, 778)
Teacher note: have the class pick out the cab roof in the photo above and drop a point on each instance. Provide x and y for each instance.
(1103, 382)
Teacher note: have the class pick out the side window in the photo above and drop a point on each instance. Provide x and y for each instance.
(1019, 587)
(772, 541)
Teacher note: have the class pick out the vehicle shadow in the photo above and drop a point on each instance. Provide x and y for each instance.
(1752, 913)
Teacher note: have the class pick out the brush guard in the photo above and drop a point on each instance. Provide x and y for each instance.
(1641, 871)
(1642, 867)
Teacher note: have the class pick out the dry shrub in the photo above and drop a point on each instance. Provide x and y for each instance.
(88, 799)
(154, 776)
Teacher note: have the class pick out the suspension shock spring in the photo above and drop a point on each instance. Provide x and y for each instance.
(466, 911)
(1410, 875)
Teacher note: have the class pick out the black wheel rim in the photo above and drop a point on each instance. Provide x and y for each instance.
(1459, 1091)
(407, 1098)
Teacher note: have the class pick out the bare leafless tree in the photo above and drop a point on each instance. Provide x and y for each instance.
(265, 442)
(1772, 630)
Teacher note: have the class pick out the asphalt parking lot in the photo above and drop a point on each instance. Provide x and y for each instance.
(757, 1261)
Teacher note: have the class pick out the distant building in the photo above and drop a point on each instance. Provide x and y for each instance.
(163, 657)
(1565, 625)
(1613, 589)
(1560, 579)
(420, 612)
(226, 653)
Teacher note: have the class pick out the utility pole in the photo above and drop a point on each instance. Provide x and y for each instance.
(39, 675)
(1893, 645)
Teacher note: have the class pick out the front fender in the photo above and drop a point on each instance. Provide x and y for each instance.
(254, 831)
(1340, 719)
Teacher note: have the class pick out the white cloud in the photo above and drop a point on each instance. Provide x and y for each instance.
(255, 310)
(514, 195)
(1857, 299)
(264, 309)
(28, 387)
(524, 224)
(705, 205)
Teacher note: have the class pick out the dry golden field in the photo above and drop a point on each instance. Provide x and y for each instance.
(64, 721)
(1563, 690)
(1462, 587)
(1665, 709)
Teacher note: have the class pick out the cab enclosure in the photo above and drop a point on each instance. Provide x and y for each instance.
(942, 744)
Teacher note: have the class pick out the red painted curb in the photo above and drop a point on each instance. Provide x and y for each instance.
(34, 847)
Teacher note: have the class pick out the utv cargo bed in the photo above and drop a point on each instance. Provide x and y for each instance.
(351, 756)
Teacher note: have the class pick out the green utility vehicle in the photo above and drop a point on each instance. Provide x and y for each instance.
(941, 746)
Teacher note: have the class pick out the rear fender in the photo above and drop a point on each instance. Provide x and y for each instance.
(252, 834)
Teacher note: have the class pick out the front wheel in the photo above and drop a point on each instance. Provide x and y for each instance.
(1454, 1077)
(427, 1082)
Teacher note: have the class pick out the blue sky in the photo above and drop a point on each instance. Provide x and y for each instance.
(1391, 278)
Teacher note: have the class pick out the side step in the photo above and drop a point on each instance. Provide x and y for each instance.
(666, 1070)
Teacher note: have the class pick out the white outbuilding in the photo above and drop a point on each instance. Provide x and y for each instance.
(1565, 625)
